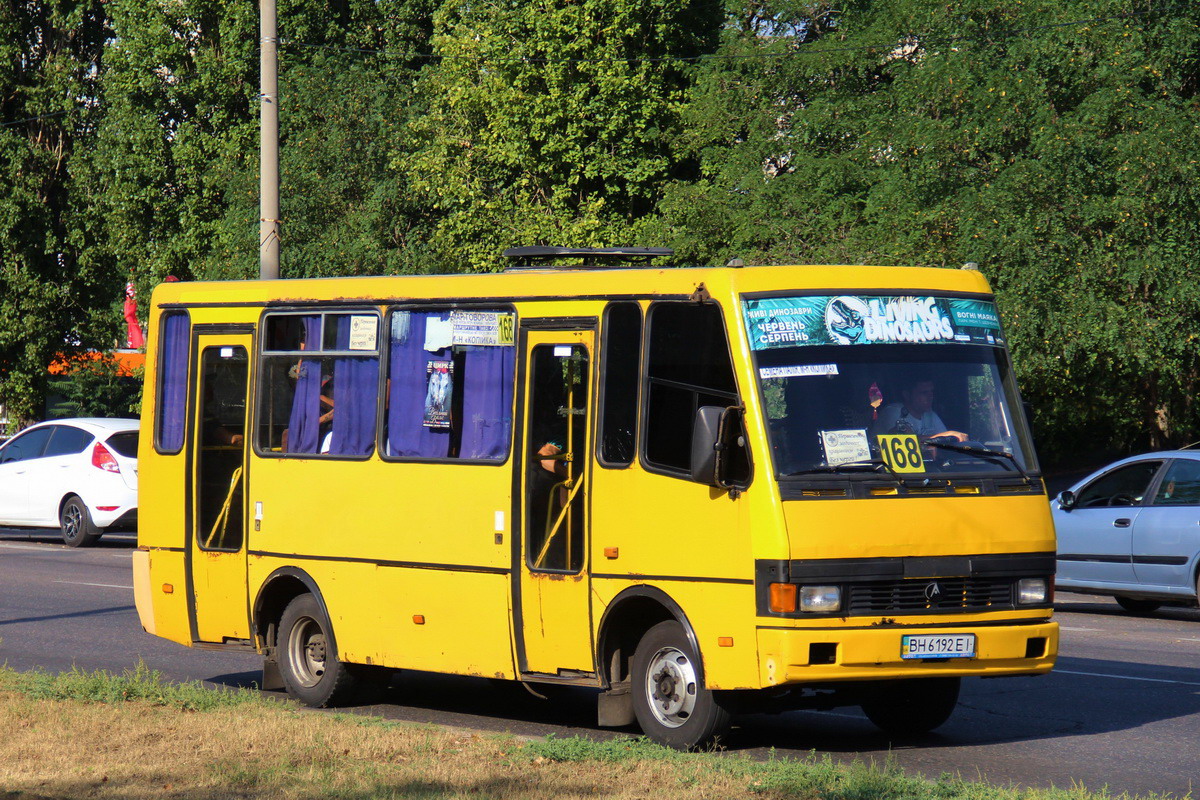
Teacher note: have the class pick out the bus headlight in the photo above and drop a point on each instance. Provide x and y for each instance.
(1032, 591)
(820, 598)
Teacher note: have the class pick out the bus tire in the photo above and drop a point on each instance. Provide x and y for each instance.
(310, 669)
(75, 522)
(912, 707)
(671, 706)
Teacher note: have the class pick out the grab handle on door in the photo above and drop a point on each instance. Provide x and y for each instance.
(1122, 522)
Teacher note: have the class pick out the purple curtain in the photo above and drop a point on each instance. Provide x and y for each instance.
(172, 400)
(407, 359)
(304, 422)
(487, 401)
(355, 387)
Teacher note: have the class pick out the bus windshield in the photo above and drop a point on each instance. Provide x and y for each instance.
(937, 397)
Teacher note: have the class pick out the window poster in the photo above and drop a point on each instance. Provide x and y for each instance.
(774, 322)
(483, 328)
(438, 394)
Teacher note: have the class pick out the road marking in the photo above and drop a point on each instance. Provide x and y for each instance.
(1065, 628)
(1126, 677)
(103, 585)
(31, 547)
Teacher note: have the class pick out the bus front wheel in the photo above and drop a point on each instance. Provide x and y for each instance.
(912, 707)
(310, 669)
(672, 707)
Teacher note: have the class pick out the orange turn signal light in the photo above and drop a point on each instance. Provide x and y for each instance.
(418, 619)
(783, 598)
(724, 641)
(168, 588)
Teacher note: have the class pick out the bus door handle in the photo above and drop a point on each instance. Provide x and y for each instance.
(1122, 522)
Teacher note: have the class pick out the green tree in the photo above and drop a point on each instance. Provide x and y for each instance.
(1055, 145)
(97, 388)
(551, 122)
(54, 285)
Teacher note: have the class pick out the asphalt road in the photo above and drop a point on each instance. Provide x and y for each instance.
(1121, 711)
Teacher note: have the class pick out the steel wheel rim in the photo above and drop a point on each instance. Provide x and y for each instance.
(72, 519)
(306, 651)
(671, 687)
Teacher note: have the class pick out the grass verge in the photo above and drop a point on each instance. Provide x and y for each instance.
(98, 735)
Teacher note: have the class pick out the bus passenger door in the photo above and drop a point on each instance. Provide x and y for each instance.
(553, 625)
(216, 489)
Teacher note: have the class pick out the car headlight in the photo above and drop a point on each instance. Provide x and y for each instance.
(1032, 591)
(820, 598)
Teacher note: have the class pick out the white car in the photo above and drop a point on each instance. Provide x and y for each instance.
(78, 475)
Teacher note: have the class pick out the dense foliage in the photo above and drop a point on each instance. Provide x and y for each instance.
(1055, 144)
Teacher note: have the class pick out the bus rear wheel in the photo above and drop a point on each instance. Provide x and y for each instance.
(672, 707)
(311, 670)
(912, 707)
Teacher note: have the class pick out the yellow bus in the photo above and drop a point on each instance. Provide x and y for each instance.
(701, 491)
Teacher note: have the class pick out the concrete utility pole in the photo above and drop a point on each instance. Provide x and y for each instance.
(268, 171)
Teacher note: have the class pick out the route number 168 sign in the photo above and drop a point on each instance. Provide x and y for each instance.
(902, 452)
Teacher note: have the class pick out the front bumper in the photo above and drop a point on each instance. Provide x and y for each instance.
(793, 655)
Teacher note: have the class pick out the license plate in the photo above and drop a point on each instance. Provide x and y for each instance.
(938, 645)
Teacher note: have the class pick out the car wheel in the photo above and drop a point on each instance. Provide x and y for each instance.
(672, 707)
(76, 524)
(912, 707)
(311, 670)
(1136, 605)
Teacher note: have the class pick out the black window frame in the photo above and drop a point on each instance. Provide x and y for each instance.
(602, 385)
(263, 354)
(644, 386)
(188, 384)
(385, 375)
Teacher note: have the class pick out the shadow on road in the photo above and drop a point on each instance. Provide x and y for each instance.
(113, 540)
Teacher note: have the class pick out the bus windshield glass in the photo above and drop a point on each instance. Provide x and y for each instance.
(887, 384)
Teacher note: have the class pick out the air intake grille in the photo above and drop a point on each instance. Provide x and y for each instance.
(915, 596)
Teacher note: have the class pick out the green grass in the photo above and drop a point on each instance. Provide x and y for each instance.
(139, 684)
(323, 755)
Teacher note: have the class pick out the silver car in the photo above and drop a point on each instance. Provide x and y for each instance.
(1132, 531)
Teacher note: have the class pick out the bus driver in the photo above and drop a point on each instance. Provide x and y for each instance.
(916, 414)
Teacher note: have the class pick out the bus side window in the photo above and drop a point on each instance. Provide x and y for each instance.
(170, 412)
(320, 384)
(688, 366)
(621, 352)
(446, 400)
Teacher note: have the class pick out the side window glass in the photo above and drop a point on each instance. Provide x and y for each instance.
(450, 384)
(320, 384)
(688, 367)
(67, 440)
(26, 446)
(1121, 487)
(171, 409)
(558, 427)
(1181, 485)
(621, 353)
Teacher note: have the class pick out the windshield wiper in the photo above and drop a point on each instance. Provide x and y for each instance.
(982, 452)
(867, 465)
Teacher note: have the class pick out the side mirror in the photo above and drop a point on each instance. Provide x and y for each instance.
(1066, 500)
(706, 444)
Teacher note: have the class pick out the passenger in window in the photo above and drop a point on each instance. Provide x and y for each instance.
(916, 415)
